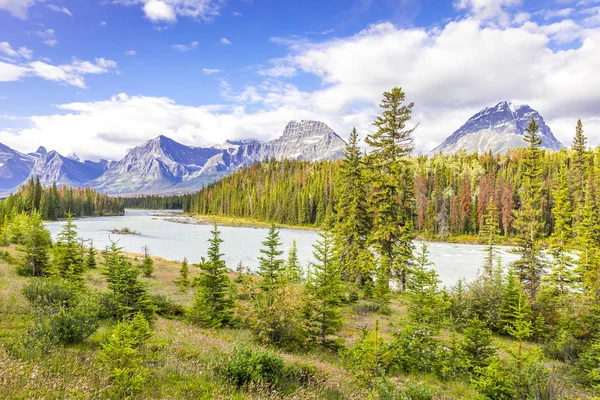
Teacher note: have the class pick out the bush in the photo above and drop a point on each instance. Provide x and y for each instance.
(248, 365)
(416, 350)
(49, 292)
(167, 308)
(64, 325)
(417, 392)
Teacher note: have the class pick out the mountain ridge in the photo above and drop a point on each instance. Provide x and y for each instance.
(498, 129)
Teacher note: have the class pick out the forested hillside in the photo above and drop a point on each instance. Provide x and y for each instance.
(54, 202)
(452, 192)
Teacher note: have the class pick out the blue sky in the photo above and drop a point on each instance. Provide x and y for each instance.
(99, 76)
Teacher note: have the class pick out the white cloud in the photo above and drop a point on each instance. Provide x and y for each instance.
(130, 53)
(159, 11)
(24, 52)
(168, 10)
(48, 37)
(11, 72)
(278, 71)
(561, 13)
(70, 74)
(59, 9)
(185, 47)
(450, 73)
(18, 8)
(495, 10)
(102, 23)
(210, 71)
(225, 41)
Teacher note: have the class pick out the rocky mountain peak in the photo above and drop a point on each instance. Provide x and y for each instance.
(498, 129)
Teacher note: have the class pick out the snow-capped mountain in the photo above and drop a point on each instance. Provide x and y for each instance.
(162, 165)
(497, 129)
(70, 171)
(14, 167)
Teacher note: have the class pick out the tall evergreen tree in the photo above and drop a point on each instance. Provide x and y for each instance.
(67, 261)
(391, 177)
(529, 222)
(580, 167)
(490, 232)
(37, 243)
(352, 223)
(325, 289)
(270, 266)
(213, 303)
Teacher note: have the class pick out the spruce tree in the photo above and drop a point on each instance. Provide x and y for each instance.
(390, 175)
(37, 243)
(490, 232)
(580, 168)
(293, 270)
(477, 344)
(381, 290)
(588, 239)
(352, 224)
(128, 294)
(184, 276)
(90, 261)
(529, 222)
(213, 303)
(270, 266)
(67, 261)
(325, 289)
(425, 304)
(147, 263)
(512, 297)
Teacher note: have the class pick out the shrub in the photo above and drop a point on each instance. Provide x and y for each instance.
(49, 292)
(167, 308)
(417, 391)
(416, 350)
(248, 365)
(64, 325)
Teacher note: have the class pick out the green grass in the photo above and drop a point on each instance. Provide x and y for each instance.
(182, 359)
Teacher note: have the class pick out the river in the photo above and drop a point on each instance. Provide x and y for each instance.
(173, 241)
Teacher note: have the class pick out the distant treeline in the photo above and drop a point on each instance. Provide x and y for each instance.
(175, 202)
(54, 202)
(452, 192)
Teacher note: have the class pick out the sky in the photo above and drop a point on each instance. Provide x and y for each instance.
(98, 77)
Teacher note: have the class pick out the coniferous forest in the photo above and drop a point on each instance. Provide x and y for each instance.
(368, 318)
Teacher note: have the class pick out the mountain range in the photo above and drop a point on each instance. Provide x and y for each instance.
(498, 129)
(164, 166)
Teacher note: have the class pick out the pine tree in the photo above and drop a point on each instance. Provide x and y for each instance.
(477, 344)
(293, 270)
(529, 222)
(490, 232)
(147, 263)
(90, 261)
(128, 295)
(325, 289)
(270, 267)
(513, 296)
(580, 167)
(37, 243)
(352, 223)
(184, 276)
(67, 260)
(392, 183)
(213, 303)
(425, 305)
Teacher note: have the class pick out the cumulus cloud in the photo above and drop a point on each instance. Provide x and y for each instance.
(70, 74)
(210, 71)
(495, 10)
(59, 9)
(18, 8)
(158, 11)
(225, 41)
(7, 49)
(450, 72)
(185, 47)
